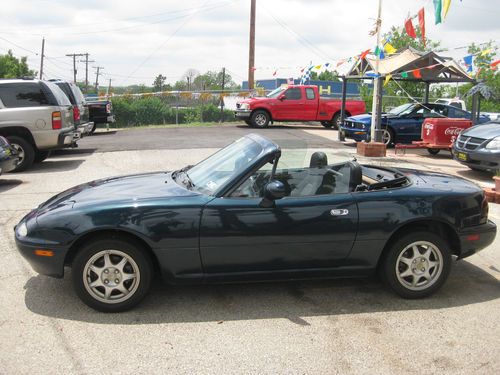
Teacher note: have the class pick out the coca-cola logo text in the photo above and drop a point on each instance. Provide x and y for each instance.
(453, 131)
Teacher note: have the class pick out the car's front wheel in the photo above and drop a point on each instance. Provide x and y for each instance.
(25, 151)
(260, 119)
(111, 275)
(416, 265)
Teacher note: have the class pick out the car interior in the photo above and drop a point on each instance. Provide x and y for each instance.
(321, 178)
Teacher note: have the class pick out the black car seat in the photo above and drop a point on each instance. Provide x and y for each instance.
(356, 175)
(311, 179)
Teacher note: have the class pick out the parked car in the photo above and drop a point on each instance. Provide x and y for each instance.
(36, 117)
(402, 124)
(8, 156)
(100, 112)
(454, 102)
(239, 215)
(295, 103)
(80, 107)
(479, 147)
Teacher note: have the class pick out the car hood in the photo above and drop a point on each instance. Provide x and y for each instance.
(366, 118)
(486, 131)
(253, 100)
(124, 189)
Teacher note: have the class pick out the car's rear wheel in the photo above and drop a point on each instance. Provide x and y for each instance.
(41, 156)
(327, 124)
(111, 275)
(433, 151)
(248, 122)
(260, 119)
(25, 151)
(416, 265)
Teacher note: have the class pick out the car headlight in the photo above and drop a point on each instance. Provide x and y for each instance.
(22, 230)
(244, 106)
(494, 144)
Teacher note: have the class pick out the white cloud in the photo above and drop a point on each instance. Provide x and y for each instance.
(165, 36)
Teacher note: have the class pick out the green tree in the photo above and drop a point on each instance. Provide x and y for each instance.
(159, 82)
(12, 67)
(213, 81)
(326, 75)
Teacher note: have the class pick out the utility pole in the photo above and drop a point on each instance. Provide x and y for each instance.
(74, 55)
(251, 50)
(97, 78)
(109, 88)
(375, 135)
(222, 95)
(87, 61)
(41, 58)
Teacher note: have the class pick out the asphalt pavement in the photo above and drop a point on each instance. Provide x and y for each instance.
(303, 327)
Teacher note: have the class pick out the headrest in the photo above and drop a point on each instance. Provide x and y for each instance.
(318, 160)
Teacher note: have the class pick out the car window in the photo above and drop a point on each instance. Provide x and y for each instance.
(67, 90)
(457, 113)
(310, 94)
(61, 97)
(293, 94)
(29, 94)
(78, 94)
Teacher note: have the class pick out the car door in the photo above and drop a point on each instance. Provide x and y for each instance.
(312, 232)
(290, 103)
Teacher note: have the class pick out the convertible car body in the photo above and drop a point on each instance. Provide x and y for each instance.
(241, 215)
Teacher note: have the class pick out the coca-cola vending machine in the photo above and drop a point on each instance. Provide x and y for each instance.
(443, 131)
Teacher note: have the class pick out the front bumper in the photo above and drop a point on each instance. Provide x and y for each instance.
(243, 113)
(357, 134)
(479, 159)
(475, 239)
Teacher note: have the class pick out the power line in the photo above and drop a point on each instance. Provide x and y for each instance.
(18, 46)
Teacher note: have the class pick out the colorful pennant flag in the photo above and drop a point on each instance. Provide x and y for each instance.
(437, 11)
(468, 62)
(327, 65)
(421, 23)
(485, 52)
(372, 74)
(363, 54)
(317, 67)
(387, 79)
(404, 74)
(340, 63)
(446, 7)
(389, 48)
(494, 64)
(410, 30)
(275, 72)
(417, 73)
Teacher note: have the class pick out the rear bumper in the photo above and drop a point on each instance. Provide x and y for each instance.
(475, 239)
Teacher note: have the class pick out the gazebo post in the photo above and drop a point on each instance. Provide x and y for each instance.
(426, 94)
(341, 136)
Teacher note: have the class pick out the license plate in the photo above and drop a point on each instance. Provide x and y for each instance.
(462, 156)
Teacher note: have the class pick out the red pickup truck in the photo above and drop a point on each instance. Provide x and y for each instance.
(295, 103)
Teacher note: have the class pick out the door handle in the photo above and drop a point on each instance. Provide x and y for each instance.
(339, 212)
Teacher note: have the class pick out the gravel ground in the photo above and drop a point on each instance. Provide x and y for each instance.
(333, 326)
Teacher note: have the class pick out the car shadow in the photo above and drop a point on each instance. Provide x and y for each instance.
(98, 134)
(295, 301)
(8, 184)
(55, 166)
(287, 126)
(74, 151)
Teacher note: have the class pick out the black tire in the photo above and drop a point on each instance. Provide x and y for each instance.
(93, 129)
(25, 150)
(138, 261)
(402, 252)
(260, 119)
(41, 156)
(248, 122)
(327, 124)
(336, 121)
(433, 151)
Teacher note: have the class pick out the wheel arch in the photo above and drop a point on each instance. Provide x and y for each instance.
(438, 227)
(19, 131)
(111, 234)
(338, 112)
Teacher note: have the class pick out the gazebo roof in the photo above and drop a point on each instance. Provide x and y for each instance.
(433, 68)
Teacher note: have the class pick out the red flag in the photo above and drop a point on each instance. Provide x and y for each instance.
(421, 23)
(363, 54)
(494, 64)
(409, 28)
(416, 73)
(275, 72)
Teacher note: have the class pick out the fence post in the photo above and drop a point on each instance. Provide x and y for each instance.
(177, 109)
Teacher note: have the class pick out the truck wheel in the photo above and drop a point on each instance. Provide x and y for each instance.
(260, 119)
(336, 121)
(41, 156)
(248, 122)
(25, 150)
(327, 124)
(433, 151)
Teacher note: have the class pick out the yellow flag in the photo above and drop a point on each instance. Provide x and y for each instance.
(317, 67)
(485, 52)
(387, 79)
(389, 48)
(446, 7)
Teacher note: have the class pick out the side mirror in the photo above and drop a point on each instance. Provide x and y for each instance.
(272, 191)
(282, 97)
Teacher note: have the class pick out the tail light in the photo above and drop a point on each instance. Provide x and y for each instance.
(108, 108)
(56, 120)
(76, 113)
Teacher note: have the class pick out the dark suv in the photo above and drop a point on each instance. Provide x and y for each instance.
(35, 117)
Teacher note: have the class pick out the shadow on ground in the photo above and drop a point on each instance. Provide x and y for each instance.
(55, 165)
(295, 301)
(73, 151)
(8, 184)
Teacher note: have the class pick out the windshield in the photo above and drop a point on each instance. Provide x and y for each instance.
(276, 92)
(212, 173)
(402, 109)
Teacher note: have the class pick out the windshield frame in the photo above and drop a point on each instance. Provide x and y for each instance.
(276, 92)
(402, 109)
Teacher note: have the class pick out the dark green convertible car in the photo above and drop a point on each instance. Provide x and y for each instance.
(243, 214)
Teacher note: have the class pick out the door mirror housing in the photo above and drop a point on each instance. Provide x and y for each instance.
(281, 97)
(272, 191)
